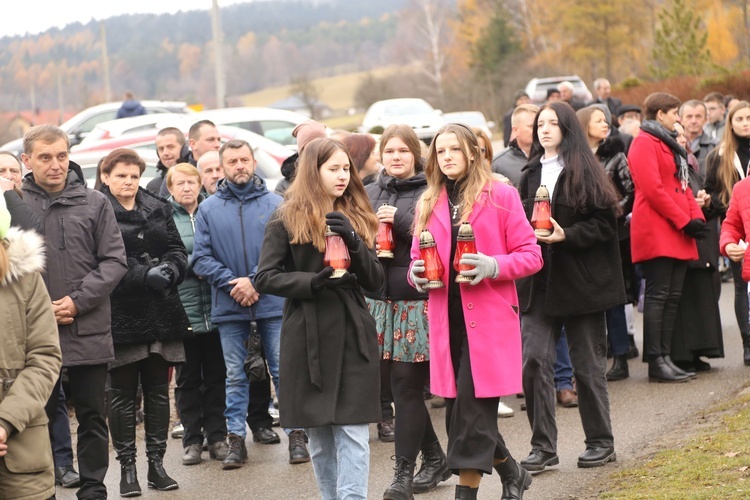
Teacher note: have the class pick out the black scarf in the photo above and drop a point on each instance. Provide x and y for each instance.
(670, 139)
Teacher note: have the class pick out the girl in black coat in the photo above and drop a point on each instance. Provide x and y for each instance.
(329, 351)
(580, 280)
(148, 320)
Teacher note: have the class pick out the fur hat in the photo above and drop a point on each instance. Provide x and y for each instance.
(307, 131)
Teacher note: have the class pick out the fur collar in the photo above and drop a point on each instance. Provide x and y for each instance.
(25, 254)
(609, 148)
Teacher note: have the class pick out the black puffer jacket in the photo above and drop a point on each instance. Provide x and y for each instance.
(140, 314)
(402, 194)
(611, 154)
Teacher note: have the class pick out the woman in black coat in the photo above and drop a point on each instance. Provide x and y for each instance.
(580, 280)
(329, 350)
(148, 319)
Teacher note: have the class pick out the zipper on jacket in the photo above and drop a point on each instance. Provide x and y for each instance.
(192, 221)
(62, 229)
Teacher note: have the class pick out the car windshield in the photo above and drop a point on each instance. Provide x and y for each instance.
(408, 108)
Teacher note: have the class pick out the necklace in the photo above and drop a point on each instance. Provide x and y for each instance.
(454, 208)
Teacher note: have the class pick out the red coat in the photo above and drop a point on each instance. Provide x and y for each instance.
(490, 307)
(736, 226)
(661, 206)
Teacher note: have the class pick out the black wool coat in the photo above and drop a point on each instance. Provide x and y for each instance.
(329, 361)
(141, 315)
(402, 194)
(582, 274)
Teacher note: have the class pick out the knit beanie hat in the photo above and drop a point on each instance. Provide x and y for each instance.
(4, 217)
(307, 131)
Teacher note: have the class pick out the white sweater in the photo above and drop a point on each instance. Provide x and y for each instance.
(551, 168)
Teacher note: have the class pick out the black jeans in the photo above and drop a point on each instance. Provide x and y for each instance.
(741, 309)
(201, 390)
(87, 387)
(664, 280)
(587, 342)
(414, 430)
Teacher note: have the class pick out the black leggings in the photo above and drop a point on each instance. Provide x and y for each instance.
(152, 371)
(414, 429)
(664, 280)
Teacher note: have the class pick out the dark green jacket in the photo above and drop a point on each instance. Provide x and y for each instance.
(194, 293)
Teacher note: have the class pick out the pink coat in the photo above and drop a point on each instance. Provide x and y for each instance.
(490, 308)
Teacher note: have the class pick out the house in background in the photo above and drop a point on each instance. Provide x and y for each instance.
(15, 124)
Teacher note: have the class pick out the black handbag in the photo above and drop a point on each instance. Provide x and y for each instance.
(255, 364)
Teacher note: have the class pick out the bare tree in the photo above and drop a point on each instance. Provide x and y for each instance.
(304, 88)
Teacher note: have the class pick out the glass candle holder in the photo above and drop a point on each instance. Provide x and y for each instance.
(384, 239)
(337, 254)
(433, 266)
(465, 243)
(542, 211)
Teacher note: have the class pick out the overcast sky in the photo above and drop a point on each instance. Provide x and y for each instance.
(36, 16)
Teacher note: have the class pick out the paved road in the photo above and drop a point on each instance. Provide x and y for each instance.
(641, 413)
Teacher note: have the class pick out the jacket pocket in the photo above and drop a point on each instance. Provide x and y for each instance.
(12, 345)
(29, 451)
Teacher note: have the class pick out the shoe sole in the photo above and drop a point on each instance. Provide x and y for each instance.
(75, 484)
(665, 381)
(276, 440)
(505, 415)
(168, 488)
(302, 460)
(541, 467)
(598, 463)
(424, 489)
(387, 439)
(232, 466)
(191, 462)
(131, 494)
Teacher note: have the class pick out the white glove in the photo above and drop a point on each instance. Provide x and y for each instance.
(417, 268)
(484, 267)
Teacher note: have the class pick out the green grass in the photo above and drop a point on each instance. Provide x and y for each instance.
(714, 464)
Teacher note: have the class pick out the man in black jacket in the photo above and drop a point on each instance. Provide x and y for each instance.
(512, 159)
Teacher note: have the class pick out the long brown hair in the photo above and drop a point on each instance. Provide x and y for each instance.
(406, 134)
(306, 205)
(475, 179)
(727, 148)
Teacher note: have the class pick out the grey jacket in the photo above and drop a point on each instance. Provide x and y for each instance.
(700, 147)
(509, 162)
(86, 259)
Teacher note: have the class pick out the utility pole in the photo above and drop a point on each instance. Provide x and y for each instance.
(221, 92)
(105, 63)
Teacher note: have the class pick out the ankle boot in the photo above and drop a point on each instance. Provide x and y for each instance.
(515, 479)
(401, 486)
(156, 420)
(122, 429)
(434, 469)
(677, 369)
(619, 370)
(746, 350)
(659, 371)
(466, 493)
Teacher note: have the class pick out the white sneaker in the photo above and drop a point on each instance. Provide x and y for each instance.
(274, 415)
(504, 411)
(178, 431)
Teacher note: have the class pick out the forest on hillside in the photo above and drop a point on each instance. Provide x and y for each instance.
(470, 54)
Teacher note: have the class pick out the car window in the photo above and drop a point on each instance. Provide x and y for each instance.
(407, 108)
(279, 131)
(88, 125)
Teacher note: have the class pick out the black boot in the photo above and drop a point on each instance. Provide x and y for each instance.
(619, 370)
(466, 493)
(746, 351)
(659, 371)
(122, 429)
(434, 469)
(632, 349)
(401, 486)
(677, 369)
(515, 479)
(156, 420)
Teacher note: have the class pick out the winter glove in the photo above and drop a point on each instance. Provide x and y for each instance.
(484, 267)
(415, 273)
(340, 224)
(161, 277)
(696, 228)
(323, 280)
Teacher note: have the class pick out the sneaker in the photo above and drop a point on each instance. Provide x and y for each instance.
(178, 431)
(504, 411)
(298, 453)
(236, 454)
(385, 431)
(275, 416)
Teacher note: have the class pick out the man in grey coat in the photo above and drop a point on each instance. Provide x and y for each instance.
(85, 261)
(512, 159)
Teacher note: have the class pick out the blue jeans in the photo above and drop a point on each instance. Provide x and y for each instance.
(341, 460)
(233, 336)
(563, 366)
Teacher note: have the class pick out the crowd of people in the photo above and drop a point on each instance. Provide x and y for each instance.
(208, 278)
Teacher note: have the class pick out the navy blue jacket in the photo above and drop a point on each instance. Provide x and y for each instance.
(228, 237)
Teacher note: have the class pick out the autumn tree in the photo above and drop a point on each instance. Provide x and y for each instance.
(303, 87)
(680, 43)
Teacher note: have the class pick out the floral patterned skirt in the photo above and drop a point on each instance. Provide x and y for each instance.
(403, 333)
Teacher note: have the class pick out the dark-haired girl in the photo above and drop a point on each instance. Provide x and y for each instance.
(581, 279)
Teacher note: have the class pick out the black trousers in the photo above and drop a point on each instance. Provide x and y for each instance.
(587, 344)
(87, 387)
(664, 280)
(201, 390)
(414, 430)
(386, 391)
(62, 449)
(741, 309)
(257, 407)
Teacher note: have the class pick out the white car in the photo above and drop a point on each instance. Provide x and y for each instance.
(118, 127)
(417, 113)
(537, 88)
(84, 122)
(471, 119)
(274, 124)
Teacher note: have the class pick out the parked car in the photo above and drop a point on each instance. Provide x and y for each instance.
(115, 128)
(472, 119)
(274, 124)
(537, 88)
(145, 144)
(417, 113)
(84, 122)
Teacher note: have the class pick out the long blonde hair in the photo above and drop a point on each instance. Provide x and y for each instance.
(304, 210)
(727, 148)
(475, 179)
